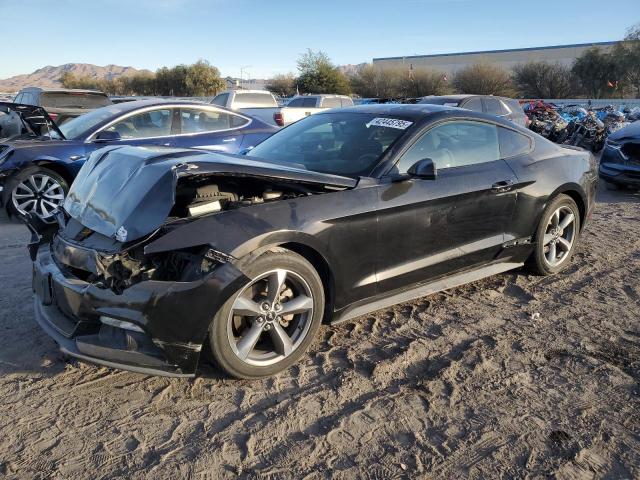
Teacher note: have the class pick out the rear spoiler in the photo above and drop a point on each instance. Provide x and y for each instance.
(35, 119)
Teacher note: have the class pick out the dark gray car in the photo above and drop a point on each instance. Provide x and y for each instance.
(503, 107)
(61, 105)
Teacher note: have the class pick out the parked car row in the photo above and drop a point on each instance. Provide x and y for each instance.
(263, 104)
(60, 104)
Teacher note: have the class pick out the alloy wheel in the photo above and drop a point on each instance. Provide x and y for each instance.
(559, 236)
(39, 194)
(270, 317)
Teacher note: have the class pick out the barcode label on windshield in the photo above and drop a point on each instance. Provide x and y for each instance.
(389, 123)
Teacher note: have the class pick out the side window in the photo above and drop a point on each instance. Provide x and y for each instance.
(474, 104)
(331, 102)
(156, 123)
(220, 99)
(454, 144)
(494, 106)
(513, 143)
(195, 120)
(347, 102)
(18, 98)
(309, 102)
(515, 107)
(296, 102)
(27, 99)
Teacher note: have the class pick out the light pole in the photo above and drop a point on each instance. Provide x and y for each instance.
(242, 69)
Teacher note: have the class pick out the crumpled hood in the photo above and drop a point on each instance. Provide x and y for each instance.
(127, 192)
(631, 131)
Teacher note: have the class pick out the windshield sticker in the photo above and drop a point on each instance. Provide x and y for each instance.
(451, 104)
(389, 123)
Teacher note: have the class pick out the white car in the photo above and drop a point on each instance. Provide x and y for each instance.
(304, 105)
(260, 104)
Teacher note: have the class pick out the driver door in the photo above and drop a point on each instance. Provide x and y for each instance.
(430, 228)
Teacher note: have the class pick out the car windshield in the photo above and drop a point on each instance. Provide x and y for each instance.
(80, 126)
(74, 100)
(340, 143)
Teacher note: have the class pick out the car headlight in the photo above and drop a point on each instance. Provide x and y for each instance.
(616, 146)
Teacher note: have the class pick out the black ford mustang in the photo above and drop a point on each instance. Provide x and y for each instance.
(159, 251)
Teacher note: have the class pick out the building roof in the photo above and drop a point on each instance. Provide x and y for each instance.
(484, 52)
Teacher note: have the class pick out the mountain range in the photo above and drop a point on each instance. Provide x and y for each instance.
(49, 76)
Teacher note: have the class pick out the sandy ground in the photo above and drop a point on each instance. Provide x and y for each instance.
(515, 376)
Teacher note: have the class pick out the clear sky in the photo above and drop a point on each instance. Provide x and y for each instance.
(268, 35)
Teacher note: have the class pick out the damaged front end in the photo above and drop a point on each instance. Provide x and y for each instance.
(116, 279)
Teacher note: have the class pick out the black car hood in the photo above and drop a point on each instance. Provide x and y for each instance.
(128, 192)
(36, 119)
(630, 132)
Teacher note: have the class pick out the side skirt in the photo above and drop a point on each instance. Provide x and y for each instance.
(426, 289)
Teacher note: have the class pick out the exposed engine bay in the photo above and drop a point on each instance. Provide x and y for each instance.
(109, 263)
(196, 197)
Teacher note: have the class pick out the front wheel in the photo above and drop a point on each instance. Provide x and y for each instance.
(37, 190)
(269, 323)
(556, 236)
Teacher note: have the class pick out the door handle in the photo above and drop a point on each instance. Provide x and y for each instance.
(228, 140)
(503, 186)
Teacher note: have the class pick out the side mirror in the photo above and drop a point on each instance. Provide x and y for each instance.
(424, 168)
(107, 136)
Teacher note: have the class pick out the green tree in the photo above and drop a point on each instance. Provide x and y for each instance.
(421, 82)
(626, 55)
(484, 79)
(371, 81)
(318, 75)
(283, 85)
(595, 70)
(202, 80)
(544, 80)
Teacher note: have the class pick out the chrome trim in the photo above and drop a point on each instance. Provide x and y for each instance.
(204, 106)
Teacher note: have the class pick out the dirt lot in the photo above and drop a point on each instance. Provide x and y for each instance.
(514, 376)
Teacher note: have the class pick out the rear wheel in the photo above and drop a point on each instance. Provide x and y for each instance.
(556, 236)
(37, 190)
(270, 321)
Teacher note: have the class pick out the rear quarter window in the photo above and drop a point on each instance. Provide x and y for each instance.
(495, 107)
(513, 143)
(474, 104)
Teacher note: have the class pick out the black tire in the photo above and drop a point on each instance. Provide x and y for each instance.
(223, 353)
(538, 262)
(13, 184)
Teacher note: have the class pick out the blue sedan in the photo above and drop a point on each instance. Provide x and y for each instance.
(37, 170)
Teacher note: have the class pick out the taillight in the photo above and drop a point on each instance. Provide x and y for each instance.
(54, 116)
(277, 117)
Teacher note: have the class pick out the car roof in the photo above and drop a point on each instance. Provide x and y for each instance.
(413, 110)
(152, 102)
(451, 97)
(250, 91)
(462, 96)
(321, 95)
(60, 90)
